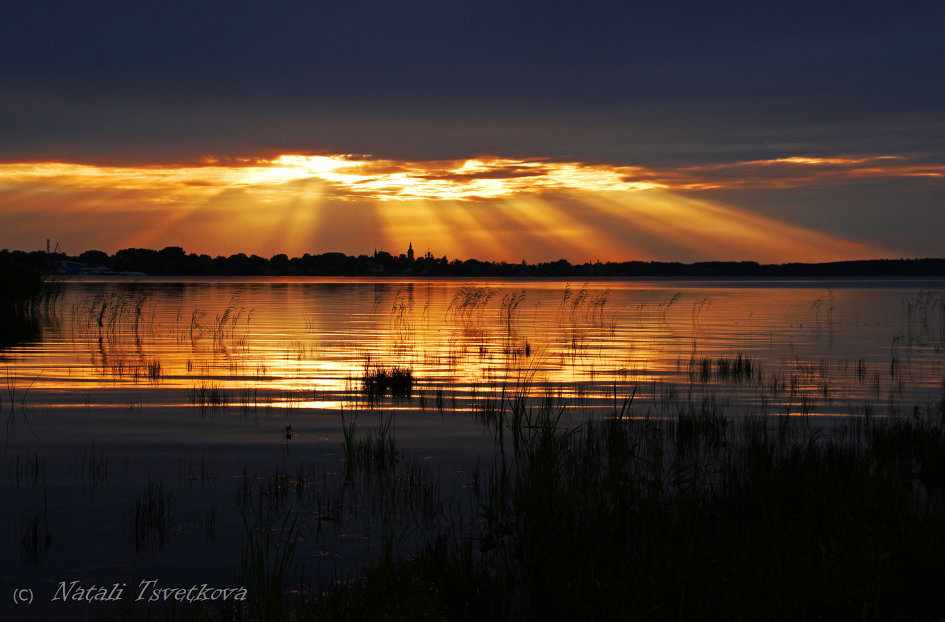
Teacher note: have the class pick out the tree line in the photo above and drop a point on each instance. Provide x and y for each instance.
(174, 261)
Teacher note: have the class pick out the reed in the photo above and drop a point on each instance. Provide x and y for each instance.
(267, 559)
(680, 511)
(663, 307)
(35, 537)
(375, 452)
(582, 305)
(17, 393)
(154, 370)
(378, 382)
(208, 525)
(469, 302)
(208, 398)
(226, 323)
(508, 310)
(93, 470)
(152, 517)
(117, 313)
(29, 470)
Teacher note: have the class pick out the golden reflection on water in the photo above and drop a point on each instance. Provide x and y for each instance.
(307, 344)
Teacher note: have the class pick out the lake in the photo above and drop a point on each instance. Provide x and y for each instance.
(151, 428)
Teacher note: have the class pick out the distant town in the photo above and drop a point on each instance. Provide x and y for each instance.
(174, 261)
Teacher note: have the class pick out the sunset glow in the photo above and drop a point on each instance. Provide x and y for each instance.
(478, 178)
(501, 208)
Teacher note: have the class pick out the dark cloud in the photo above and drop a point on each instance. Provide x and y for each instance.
(903, 215)
(614, 80)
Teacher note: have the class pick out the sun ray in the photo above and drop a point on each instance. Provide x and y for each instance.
(487, 206)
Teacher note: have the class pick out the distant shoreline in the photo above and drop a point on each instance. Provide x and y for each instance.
(173, 261)
(932, 283)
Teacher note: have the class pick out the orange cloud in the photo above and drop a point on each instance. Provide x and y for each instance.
(796, 171)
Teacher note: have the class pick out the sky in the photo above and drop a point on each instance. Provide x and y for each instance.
(509, 131)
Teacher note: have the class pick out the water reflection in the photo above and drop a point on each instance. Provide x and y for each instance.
(17, 329)
(312, 344)
(250, 347)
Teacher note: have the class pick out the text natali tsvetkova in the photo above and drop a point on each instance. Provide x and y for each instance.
(147, 590)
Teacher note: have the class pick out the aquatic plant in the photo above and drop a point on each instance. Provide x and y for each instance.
(202, 471)
(925, 318)
(698, 308)
(375, 451)
(508, 309)
(823, 311)
(138, 300)
(35, 537)
(595, 306)
(469, 301)
(29, 470)
(401, 311)
(197, 325)
(739, 369)
(663, 307)
(93, 470)
(226, 323)
(377, 382)
(117, 312)
(154, 370)
(267, 558)
(17, 393)
(572, 301)
(152, 516)
(208, 398)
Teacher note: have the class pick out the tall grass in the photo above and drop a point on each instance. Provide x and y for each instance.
(508, 310)
(116, 312)
(469, 302)
(267, 560)
(582, 305)
(377, 452)
(680, 511)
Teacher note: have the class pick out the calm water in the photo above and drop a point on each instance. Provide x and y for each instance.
(190, 386)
